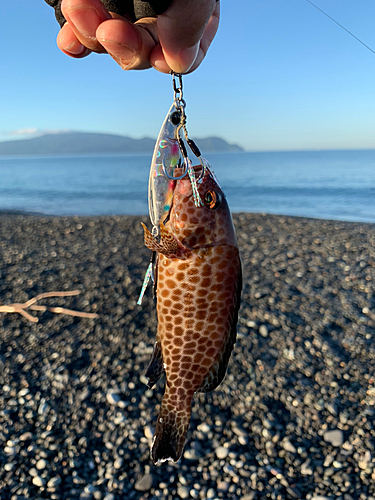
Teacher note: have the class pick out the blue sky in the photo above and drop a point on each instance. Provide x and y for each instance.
(279, 76)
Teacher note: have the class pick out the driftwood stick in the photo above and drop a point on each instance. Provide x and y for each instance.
(20, 307)
(50, 294)
(70, 312)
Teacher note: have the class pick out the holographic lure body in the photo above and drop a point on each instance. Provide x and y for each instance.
(166, 158)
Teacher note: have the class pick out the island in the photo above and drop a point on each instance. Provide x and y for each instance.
(73, 143)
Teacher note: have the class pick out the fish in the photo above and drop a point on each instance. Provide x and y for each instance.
(198, 282)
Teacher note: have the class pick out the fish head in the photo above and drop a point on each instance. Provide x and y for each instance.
(207, 225)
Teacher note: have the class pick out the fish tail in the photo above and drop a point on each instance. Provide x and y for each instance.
(170, 433)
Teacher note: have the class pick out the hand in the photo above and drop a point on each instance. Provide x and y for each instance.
(177, 40)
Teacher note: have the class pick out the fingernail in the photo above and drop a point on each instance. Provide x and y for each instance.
(161, 65)
(85, 19)
(187, 57)
(121, 50)
(76, 48)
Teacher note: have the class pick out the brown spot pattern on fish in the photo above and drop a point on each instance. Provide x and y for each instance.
(198, 296)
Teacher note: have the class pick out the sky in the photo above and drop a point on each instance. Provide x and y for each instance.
(278, 76)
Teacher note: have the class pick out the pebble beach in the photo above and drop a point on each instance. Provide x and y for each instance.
(293, 419)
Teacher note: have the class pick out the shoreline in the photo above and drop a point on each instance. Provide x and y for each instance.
(294, 416)
(11, 212)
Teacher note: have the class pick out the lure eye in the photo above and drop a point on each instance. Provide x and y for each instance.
(175, 118)
(212, 199)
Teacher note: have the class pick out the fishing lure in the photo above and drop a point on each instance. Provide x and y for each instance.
(165, 160)
(170, 161)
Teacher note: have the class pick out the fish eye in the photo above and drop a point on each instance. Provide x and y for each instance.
(175, 118)
(212, 199)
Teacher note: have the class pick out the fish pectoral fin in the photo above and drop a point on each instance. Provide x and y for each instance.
(171, 245)
(155, 368)
(168, 244)
(150, 241)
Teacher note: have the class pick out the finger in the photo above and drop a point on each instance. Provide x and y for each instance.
(158, 60)
(208, 36)
(84, 17)
(69, 44)
(181, 29)
(129, 44)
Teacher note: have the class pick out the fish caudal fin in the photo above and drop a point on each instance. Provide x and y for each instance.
(170, 434)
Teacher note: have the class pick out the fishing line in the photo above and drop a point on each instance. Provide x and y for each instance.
(341, 26)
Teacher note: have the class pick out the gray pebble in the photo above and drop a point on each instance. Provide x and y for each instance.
(195, 452)
(364, 460)
(240, 432)
(41, 464)
(243, 440)
(39, 481)
(203, 427)
(113, 398)
(263, 330)
(328, 460)
(335, 437)
(308, 399)
(306, 470)
(43, 407)
(118, 463)
(183, 492)
(223, 486)
(54, 482)
(12, 443)
(288, 446)
(144, 483)
(90, 488)
(85, 496)
(26, 436)
(221, 452)
(148, 431)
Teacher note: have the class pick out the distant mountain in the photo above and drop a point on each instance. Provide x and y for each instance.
(71, 143)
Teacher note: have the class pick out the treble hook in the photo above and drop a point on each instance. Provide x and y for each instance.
(172, 177)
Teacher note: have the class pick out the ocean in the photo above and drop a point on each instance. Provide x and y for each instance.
(338, 185)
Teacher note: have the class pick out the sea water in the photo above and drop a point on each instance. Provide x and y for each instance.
(336, 185)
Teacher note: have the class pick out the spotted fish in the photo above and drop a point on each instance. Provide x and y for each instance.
(198, 286)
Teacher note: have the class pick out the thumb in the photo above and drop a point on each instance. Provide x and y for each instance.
(181, 29)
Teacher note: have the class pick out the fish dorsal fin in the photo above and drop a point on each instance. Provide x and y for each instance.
(168, 244)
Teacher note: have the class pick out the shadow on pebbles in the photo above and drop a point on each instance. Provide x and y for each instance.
(293, 419)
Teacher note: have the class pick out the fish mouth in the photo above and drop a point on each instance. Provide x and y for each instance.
(183, 184)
